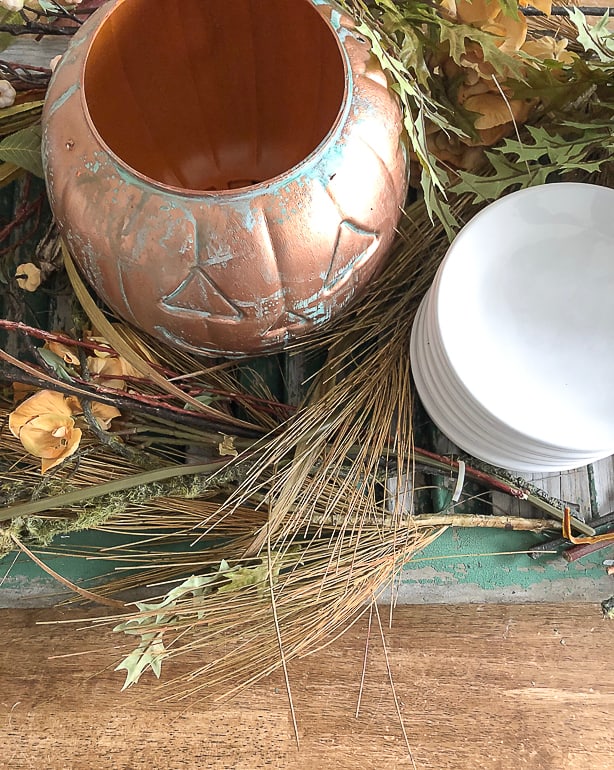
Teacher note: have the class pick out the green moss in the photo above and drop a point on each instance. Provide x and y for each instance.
(40, 530)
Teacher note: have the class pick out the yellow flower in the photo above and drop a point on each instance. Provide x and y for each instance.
(21, 390)
(512, 31)
(493, 110)
(45, 426)
(468, 12)
(548, 48)
(66, 353)
(104, 350)
(104, 413)
(111, 371)
(545, 6)
(28, 276)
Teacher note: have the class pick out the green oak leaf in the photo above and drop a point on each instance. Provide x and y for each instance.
(149, 654)
(457, 35)
(507, 174)
(597, 37)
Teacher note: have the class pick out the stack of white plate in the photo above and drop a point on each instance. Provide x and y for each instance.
(513, 346)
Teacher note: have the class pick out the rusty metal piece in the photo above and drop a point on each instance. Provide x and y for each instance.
(226, 174)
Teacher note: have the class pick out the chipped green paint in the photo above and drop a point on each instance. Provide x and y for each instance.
(62, 99)
(482, 562)
(94, 166)
(429, 578)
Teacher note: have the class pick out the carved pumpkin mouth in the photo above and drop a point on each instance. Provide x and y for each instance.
(214, 95)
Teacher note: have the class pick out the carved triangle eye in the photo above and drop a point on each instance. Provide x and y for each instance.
(198, 295)
(351, 239)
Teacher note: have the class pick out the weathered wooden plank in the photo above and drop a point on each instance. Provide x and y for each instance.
(604, 484)
(490, 687)
(27, 50)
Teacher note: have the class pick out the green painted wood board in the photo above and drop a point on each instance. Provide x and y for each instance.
(463, 565)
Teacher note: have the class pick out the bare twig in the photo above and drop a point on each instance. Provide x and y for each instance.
(22, 215)
(516, 523)
(83, 592)
(37, 28)
(394, 691)
(280, 643)
(561, 10)
(364, 662)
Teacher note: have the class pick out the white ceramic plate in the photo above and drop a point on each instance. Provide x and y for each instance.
(525, 313)
(522, 441)
(465, 429)
(503, 436)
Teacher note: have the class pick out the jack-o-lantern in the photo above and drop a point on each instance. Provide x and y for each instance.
(226, 173)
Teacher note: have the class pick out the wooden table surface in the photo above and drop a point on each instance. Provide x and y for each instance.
(486, 687)
(480, 687)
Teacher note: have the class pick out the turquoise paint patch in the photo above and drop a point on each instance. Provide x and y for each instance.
(62, 99)
(483, 572)
(464, 554)
(245, 211)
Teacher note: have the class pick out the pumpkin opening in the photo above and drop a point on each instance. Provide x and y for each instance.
(214, 95)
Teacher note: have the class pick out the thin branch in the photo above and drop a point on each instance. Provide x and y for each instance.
(394, 692)
(364, 662)
(83, 592)
(558, 10)
(36, 28)
(21, 216)
(47, 336)
(122, 400)
(113, 441)
(27, 67)
(279, 642)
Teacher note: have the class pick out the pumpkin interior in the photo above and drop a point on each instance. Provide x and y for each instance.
(214, 95)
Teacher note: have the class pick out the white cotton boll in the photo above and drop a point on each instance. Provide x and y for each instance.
(7, 94)
(12, 5)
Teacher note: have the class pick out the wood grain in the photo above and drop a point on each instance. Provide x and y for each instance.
(480, 687)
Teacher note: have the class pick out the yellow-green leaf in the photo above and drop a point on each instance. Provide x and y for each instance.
(23, 148)
(19, 116)
(149, 654)
(8, 17)
(507, 174)
(457, 35)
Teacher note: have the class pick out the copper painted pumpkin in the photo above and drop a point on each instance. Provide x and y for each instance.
(226, 173)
